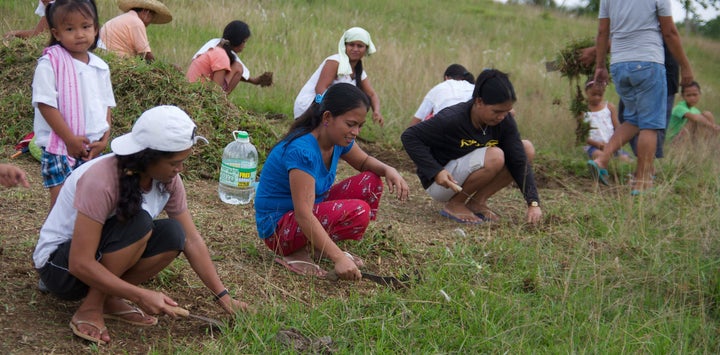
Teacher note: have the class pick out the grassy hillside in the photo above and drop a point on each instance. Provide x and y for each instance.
(603, 273)
(415, 41)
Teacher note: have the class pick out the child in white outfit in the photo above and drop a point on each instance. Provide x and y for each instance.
(72, 93)
(603, 119)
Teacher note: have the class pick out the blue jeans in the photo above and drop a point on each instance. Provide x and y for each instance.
(659, 152)
(642, 87)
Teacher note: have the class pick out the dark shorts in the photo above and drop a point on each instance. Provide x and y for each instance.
(167, 235)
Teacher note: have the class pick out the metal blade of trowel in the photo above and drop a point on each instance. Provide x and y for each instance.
(185, 313)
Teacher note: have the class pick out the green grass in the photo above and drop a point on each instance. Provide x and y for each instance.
(604, 273)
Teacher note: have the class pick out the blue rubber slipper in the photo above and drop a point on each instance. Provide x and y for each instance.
(641, 192)
(598, 173)
(448, 215)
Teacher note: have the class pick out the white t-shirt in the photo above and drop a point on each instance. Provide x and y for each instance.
(40, 10)
(93, 190)
(447, 93)
(601, 126)
(95, 90)
(213, 43)
(307, 94)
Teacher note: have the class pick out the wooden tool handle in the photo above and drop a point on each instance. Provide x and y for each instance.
(180, 311)
(455, 187)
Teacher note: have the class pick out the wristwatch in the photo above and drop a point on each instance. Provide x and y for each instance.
(533, 204)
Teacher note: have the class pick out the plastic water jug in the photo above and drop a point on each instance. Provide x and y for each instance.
(238, 170)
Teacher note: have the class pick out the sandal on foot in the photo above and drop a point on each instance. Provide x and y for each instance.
(121, 316)
(487, 218)
(74, 326)
(649, 187)
(356, 259)
(598, 173)
(290, 265)
(447, 214)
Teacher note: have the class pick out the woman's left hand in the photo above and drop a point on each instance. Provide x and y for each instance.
(534, 214)
(378, 118)
(232, 306)
(396, 184)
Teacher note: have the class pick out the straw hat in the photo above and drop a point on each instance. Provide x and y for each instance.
(162, 13)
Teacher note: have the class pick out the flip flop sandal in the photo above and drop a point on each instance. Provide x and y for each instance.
(74, 326)
(598, 173)
(119, 316)
(485, 218)
(288, 264)
(447, 214)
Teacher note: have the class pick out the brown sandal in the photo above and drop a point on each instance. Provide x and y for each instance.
(74, 326)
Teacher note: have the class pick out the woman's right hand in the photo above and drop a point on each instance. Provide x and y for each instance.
(153, 302)
(346, 269)
(444, 179)
(266, 79)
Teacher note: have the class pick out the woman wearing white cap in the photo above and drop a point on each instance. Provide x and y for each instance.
(101, 239)
(126, 34)
(343, 67)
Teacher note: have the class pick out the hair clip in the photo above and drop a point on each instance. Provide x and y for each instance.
(319, 98)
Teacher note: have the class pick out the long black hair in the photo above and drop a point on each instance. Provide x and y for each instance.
(494, 87)
(63, 7)
(358, 73)
(235, 33)
(338, 99)
(458, 72)
(129, 168)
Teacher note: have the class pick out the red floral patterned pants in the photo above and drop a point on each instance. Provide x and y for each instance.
(344, 214)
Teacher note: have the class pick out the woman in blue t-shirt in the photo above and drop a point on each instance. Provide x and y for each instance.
(300, 214)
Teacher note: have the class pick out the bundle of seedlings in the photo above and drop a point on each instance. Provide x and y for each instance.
(569, 65)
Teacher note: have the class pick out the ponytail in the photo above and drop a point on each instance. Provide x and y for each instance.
(235, 33)
(337, 100)
(358, 73)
